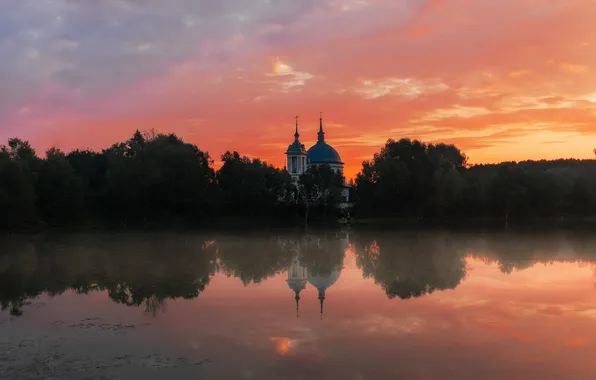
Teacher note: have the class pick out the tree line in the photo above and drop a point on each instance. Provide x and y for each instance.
(152, 178)
(413, 179)
(156, 178)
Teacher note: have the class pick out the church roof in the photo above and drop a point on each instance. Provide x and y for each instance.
(324, 282)
(296, 284)
(321, 152)
(296, 147)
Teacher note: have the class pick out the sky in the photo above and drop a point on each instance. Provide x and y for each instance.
(501, 79)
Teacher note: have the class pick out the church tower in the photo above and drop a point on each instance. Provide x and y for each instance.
(297, 278)
(297, 156)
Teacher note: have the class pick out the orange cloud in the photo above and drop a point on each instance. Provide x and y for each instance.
(501, 87)
(420, 31)
(433, 5)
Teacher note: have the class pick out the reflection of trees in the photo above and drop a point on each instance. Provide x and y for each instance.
(411, 265)
(252, 258)
(522, 250)
(134, 270)
(18, 261)
(321, 254)
(509, 251)
(148, 270)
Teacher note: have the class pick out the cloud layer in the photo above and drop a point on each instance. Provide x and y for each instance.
(502, 79)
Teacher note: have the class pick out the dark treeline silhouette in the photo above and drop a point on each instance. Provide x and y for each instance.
(151, 179)
(413, 179)
(156, 178)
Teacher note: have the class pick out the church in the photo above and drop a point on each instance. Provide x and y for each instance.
(299, 159)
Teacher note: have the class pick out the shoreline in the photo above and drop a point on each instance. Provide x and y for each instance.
(264, 224)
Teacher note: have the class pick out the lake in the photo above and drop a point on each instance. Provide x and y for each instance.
(351, 304)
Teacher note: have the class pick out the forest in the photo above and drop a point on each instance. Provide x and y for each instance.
(156, 179)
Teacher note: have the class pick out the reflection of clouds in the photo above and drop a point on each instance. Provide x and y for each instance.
(377, 323)
(284, 346)
(300, 341)
(543, 305)
(575, 342)
(503, 328)
(302, 335)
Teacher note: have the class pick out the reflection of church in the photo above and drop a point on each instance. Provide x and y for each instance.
(299, 276)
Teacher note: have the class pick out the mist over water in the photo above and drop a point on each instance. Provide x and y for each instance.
(350, 304)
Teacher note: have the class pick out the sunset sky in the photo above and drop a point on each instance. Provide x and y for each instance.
(502, 79)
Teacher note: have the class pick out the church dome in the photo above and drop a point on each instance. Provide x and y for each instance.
(323, 153)
(324, 282)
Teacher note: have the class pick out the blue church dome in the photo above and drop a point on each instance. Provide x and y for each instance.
(323, 153)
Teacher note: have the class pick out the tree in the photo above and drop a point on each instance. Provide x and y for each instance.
(21, 150)
(158, 179)
(90, 167)
(19, 168)
(61, 196)
(409, 177)
(251, 186)
(17, 193)
(521, 192)
(320, 186)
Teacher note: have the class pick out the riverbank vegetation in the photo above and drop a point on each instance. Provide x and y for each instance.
(157, 179)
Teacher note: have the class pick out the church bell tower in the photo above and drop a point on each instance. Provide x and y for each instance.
(296, 156)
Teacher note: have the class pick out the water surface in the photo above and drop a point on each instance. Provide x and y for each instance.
(335, 305)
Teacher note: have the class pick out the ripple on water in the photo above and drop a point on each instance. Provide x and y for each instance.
(34, 359)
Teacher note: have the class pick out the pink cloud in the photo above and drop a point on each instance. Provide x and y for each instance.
(376, 71)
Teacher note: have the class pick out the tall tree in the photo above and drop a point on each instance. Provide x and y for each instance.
(149, 180)
(17, 193)
(19, 170)
(409, 177)
(91, 169)
(61, 196)
(319, 188)
(251, 186)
